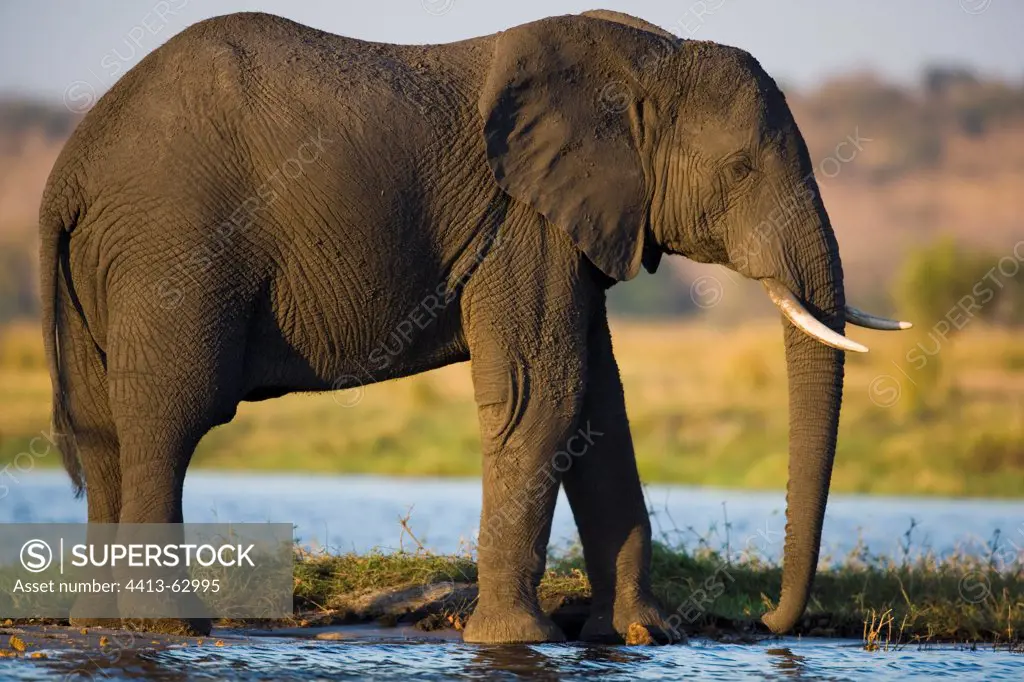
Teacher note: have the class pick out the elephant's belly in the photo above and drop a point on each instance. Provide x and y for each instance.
(293, 374)
(351, 336)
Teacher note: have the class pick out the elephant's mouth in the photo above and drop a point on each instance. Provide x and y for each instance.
(806, 322)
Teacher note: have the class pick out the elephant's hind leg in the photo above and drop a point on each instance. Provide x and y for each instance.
(604, 491)
(96, 444)
(173, 376)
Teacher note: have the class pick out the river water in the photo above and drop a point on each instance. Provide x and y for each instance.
(362, 513)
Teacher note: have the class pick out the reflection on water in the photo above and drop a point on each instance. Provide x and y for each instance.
(353, 513)
(514, 661)
(281, 659)
(786, 662)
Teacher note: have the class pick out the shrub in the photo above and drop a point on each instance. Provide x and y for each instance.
(21, 346)
(18, 288)
(942, 280)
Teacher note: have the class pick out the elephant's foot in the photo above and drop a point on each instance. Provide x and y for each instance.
(638, 622)
(95, 611)
(189, 627)
(105, 623)
(510, 625)
(169, 614)
(194, 627)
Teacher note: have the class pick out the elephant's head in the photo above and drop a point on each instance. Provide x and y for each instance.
(637, 143)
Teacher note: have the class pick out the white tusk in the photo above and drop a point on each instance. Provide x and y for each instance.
(796, 313)
(869, 321)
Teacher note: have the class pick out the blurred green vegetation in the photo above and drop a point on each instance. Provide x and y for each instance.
(663, 294)
(946, 287)
(19, 296)
(961, 283)
(707, 405)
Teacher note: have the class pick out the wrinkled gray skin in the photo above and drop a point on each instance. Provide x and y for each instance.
(260, 208)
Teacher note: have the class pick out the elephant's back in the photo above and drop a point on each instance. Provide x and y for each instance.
(243, 91)
(247, 138)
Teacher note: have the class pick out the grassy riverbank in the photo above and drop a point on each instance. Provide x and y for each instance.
(885, 603)
(968, 597)
(707, 406)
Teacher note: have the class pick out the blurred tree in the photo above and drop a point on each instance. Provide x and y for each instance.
(662, 294)
(18, 286)
(946, 287)
(20, 115)
(939, 78)
(947, 280)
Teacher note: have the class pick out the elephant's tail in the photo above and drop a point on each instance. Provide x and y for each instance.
(54, 239)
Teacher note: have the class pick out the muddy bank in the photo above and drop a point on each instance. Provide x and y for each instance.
(436, 611)
(444, 607)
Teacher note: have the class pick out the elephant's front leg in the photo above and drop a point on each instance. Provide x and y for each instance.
(529, 402)
(603, 487)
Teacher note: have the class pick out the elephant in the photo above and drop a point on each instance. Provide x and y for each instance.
(259, 208)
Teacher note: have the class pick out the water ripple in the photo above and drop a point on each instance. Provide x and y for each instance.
(307, 660)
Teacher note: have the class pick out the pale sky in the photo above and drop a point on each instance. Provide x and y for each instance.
(49, 46)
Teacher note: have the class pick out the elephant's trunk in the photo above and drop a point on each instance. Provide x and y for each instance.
(815, 392)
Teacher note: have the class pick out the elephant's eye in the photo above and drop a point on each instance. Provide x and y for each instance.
(739, 168)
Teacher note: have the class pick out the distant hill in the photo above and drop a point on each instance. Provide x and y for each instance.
(944, 157)
(31, 136)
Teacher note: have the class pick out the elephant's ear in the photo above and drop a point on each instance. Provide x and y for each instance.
(564, 123)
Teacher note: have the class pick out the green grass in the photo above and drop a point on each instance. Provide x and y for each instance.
(966, 597)
(884, 602)
(707, 406)
(330, 581)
